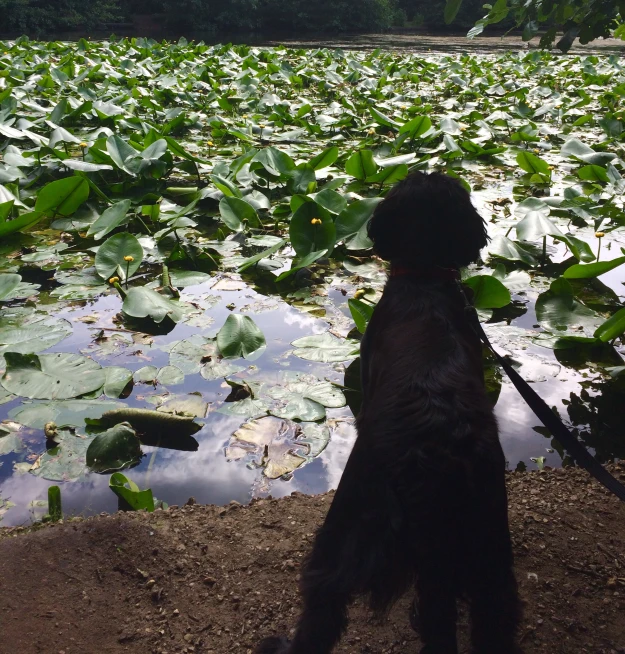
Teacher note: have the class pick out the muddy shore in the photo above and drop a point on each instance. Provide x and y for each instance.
(214, 579)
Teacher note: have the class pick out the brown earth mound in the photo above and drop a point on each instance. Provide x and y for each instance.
(213, 580)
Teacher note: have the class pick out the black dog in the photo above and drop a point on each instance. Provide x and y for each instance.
(422, 500)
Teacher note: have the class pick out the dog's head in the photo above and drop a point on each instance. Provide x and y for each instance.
(428, 220)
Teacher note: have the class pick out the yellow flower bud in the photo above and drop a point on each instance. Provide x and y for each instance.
(359, 293)
(83, 144)
(113, 280)
(536, 150)
(599, 234)
(262, 126)
(463, 129)
(244, 116)
(316, 221)
(210, 144)
(129, 258)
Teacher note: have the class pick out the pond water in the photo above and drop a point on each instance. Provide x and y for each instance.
(220, 467)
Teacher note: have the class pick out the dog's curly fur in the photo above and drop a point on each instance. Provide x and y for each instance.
(422, 501)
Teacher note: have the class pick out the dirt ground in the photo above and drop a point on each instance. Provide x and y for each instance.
(214, 579)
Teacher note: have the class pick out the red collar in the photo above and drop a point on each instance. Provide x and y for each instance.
(429, 272)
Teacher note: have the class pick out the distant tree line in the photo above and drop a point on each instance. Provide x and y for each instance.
(38, 18)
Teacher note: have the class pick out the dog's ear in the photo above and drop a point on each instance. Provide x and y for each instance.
(428, 220)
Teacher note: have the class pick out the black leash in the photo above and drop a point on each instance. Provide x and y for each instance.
(553, 423)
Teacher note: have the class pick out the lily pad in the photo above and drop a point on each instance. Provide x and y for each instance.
(63, 413)
(272, 441)
(34, 337)
(117, 378)
(117, 448)
(110, 259)
(303, 397)
(13, 288)
(66, 461)
(325, 348)
(142, 302)
(57, 376)
(239, 337)
(167, 375)
(560, 313)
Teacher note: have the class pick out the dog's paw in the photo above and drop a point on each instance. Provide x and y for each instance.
(272, 645)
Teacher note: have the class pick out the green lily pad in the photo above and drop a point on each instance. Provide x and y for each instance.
(66, 461)
(302, 397)
(117, 448)
(57, 376)
(141, 302)
(488, 292)
(325, 348)
(13, 288)
(166, 376)
(117, 378)
(239, 337)
(10, 442)
(63, 413)
(110, 257)
(112, 218)
(34, 337)
(560, 313)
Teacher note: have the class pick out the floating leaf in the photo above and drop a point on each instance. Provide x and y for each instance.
(503, 247)
(12, 287)
(155, 423)
(184, 278)
(272, 441)
(51, 376)
(239, 337)
(535, 225)
(143, 302)
(560, 313)
(117, 379)
(166, 376)
(35, 337)
(302, 398)
(325, 347)
(63, 413)
(325, 158)
(488, 292)
(66, 461)
(115, 449)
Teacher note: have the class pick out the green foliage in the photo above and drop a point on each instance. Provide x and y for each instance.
(583, 19)
(39, 17)
(131, 498)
